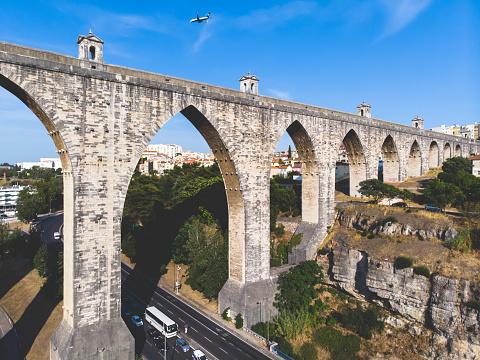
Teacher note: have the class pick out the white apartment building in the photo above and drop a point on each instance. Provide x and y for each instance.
(47, 163)
(169, 150)
(9, 197)
(465, 131)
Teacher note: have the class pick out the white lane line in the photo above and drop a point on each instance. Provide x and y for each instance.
(223, 350)
(207, 339)
(170, 311)
(181, 319)
(192, 328)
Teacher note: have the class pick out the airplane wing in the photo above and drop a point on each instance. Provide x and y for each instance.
(195, 20)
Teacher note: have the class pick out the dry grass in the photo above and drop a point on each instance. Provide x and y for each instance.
(36, 316)
(431, 252)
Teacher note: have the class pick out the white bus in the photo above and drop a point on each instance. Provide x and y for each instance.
(161, 322)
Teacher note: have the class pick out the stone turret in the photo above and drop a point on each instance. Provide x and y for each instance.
(417, 123)
(90, 51)
(249, 84)
(364, 110)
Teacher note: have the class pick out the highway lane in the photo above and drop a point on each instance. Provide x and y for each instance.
(46, 226)
(211, 337)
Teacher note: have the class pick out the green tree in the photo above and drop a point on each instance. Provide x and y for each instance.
(296, 287)
(378, 190)
(456, 164)
(40, 261)
(440, 194)
(239, 321)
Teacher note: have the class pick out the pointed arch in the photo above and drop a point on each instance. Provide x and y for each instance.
(391, 166)
(414, 160)
(433, 155)
(458, 150)
(68, 185)
(447, 151)
(356, 158)
(236, 212)
(310, 186)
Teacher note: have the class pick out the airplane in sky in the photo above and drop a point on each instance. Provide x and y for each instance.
(201, 19)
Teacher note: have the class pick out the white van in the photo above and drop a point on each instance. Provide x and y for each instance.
(57, 236)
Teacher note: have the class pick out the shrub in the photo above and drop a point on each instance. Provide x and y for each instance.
(239, 321)
(422, 270)
(267, 330)
(371, 236)
(364, 233)
(362, 322)
(280, 230)
(364, 222)
(474, 304)
(390, 219)
(341, 347)
(324, 251)
(308, 351)
(225, 315)
(462, 241)
(284, 346)
(403, 262)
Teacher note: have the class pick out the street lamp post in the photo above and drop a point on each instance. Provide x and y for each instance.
(178, 275)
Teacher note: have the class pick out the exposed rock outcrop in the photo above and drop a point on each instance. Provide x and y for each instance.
(439, 303)
(379, 225)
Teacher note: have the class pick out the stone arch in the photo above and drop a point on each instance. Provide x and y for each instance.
(68, 182)
(310, 189)
(236, 212)
(447, 151)
(391, 166)
(414, 160)
(433, 153)
(458, 150)
(356, 158)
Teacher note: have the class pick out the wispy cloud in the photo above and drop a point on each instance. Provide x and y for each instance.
(400, 13)
(276, 15)
(205, 33)
(123, 24)
(279, 94)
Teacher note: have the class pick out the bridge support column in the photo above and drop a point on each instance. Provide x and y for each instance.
(105, 340)
(253, 300)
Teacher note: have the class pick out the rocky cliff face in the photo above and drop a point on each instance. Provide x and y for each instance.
(444, 305)
(379, 225)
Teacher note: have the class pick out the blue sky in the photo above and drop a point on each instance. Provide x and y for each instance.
(404, 57)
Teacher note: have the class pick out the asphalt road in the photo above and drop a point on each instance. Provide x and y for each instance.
(215, 340)
(46, 226)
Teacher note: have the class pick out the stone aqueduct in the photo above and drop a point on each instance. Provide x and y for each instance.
(101, 117)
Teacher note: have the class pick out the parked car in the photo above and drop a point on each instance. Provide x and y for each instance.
(400, 204)
(183, 344)
(137, 320)
(432, 208)
(198, 355)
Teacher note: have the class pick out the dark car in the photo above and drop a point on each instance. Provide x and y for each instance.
(400, 204)
(153, 332)
(160, 343)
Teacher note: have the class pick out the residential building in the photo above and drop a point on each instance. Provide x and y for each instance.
(9, 197)
(476, 164)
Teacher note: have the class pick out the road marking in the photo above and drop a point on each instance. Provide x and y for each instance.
(207, 339)
(193, 329)
(223, 350)
(170, 311)
(181, 319)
